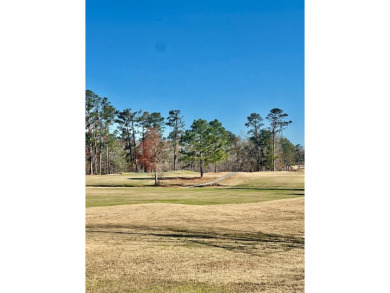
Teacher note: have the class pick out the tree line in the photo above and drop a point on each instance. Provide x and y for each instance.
(132, 141)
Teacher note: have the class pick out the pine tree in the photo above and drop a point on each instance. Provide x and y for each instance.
(127, 122)
(276, 117)
(204, 143)
(175, 120)
(254, 122)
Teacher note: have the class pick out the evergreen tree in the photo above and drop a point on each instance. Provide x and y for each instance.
(107, 118)
(92, 109)
(254, 122)
(265, 143)
(204, 143)
(126, 123)
(299, 155)
(156, 121)
(277, 121)
(288, 152)
(220, 143)
(175, 120)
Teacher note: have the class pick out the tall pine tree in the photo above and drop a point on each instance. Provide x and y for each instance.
(175, 121)
(277, 120)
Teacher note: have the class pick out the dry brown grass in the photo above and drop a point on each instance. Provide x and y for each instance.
(256, 178)
(190, 181)
(185, 248)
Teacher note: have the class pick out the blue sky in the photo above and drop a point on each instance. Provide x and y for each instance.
(211, 59)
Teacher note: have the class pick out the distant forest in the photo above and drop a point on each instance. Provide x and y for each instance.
(132, 141)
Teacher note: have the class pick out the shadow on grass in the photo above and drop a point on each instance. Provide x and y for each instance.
(265, 188)
(181, 178)
(244, 242)
(119, 185)
(163, 178)
(141, 178)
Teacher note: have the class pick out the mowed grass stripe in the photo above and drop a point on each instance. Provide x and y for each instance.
(103, 196)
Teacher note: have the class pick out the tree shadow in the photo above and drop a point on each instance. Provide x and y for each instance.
(141, 178)
(119, 185)
(234, 241)
(181, 178)
(163, 178)
(265, 188)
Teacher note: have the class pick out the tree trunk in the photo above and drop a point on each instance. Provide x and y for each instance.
(91, 162)
(215, 169)
(100, 162)
(261, 156)
(175, 146)
(155, 179)
(130, 152)
(174, 159)
(134, 146)
(257, 148)
(143, 144)
(201, 165)
(95, 161)
(273, 151)
(108, 161)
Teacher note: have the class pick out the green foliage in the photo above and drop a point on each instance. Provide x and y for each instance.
(151, 120)
(108, 113)
(118, 155)
(156, 121)
(277, 121)
(99, 116)
(205, 143)
(220, 141)
(126, 121)
(265, 143)
(195, 141)
(175, 121)
(299, 154)
(254, 123)
(288, 152)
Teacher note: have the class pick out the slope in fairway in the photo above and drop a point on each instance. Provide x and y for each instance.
(241, 188)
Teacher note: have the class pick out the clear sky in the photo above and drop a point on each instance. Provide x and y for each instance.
(215, 59)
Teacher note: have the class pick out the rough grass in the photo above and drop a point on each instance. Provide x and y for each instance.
(182, 248)
(267, 180)
(137, 241)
